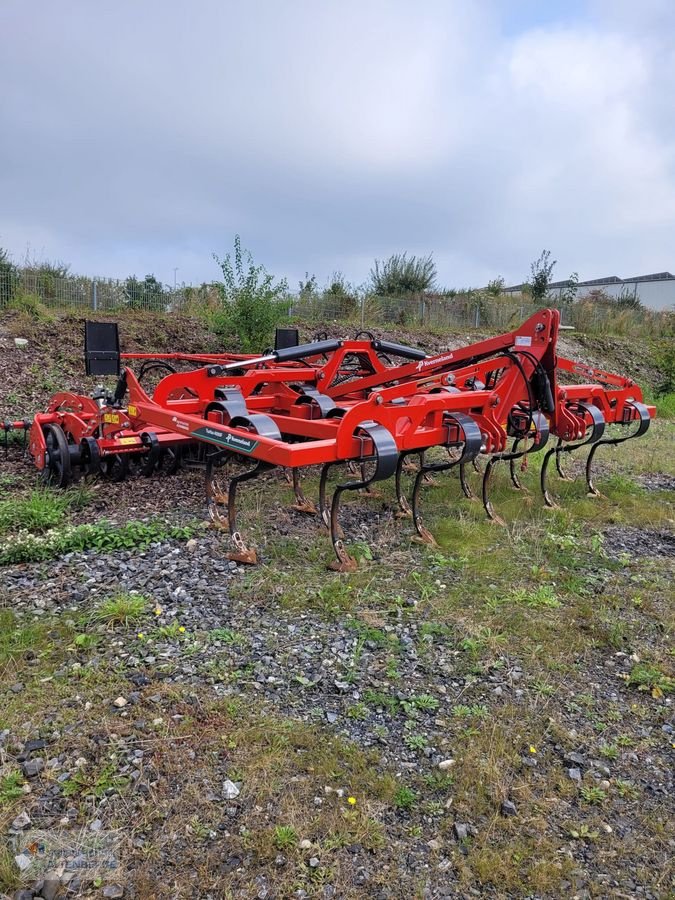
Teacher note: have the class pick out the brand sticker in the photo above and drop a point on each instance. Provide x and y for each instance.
(235, 442)
(523, 340)
(434, 361)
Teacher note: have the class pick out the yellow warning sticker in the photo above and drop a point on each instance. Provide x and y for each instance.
(111, 418)
(128, 440)
(132, 410)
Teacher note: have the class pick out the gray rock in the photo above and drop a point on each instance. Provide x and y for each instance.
(33, 767)
(21, 821)
(461, 831)
(17, 688)
(50, 887)
(230, 790)
(508, 808)
(314, 862)
(575, 774)
(113, 891)
(574, 759)
(23, 894)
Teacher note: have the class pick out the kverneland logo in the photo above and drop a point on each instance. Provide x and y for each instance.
(434, 361)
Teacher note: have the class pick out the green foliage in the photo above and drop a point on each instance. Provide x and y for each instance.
(30, 305)
(146, 294)
(401, 275)
(285, 837)
(23, 546)
(647, 677)
(405, 798)
(36, 512)
(10, 788)
(122, 609)
(569, 292)
(9, 277)
(540, 276)
(593, 795)
(475, 711)
(664, 357)
(628, 299)
(251, 303)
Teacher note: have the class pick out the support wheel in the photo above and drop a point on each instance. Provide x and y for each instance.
(57, 471)
(115, 468)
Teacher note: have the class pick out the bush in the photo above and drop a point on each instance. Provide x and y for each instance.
(146, 294)
(401, 275)
(9, 277)
(251, 303)
(540, 276)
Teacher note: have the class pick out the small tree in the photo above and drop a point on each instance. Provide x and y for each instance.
(401, 275)
(146, 294)
(569, 292)
(495, 287)
(251, 302)
(540, 278)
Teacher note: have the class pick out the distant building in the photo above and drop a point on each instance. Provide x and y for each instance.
(655, 291)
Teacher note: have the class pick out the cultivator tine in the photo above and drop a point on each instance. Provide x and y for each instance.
(596, 432)
(386, 462)
(242, 553)
(539, 438)
(467, 490)
(220, 497)
(471, 444)
(302, 503)
(643, 419)
(404, 509)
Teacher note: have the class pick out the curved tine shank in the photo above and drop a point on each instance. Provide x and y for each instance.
(386, 461)
(302, 503)
(323, 506)
(472, 442)
(401, 499)
(515, 480)
(467, 490)
(540, 439)
(242, 553)
(596, 432)
(216, 487)
(643, 420)
(487, 478)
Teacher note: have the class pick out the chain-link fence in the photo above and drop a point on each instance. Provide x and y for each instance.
(24, 288)
(473, 310)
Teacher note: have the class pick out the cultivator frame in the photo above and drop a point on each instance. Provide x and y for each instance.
(336, 402)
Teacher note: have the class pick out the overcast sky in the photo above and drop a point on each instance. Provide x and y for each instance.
(140, 135)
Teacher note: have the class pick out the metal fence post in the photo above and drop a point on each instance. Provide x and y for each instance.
(477, 322)
(94, 295)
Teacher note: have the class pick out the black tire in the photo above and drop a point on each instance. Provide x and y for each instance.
(57, 471)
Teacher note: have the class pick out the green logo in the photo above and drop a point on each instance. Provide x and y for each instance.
(236, 442)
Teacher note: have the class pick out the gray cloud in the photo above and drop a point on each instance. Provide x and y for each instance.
(139, 136)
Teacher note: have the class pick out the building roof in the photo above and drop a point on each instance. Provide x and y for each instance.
(598, 282)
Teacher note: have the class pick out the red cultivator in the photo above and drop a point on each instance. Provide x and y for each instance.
(335, 402)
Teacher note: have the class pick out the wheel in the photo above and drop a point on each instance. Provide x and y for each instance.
(90, 457)
(57, 471)
(115, 468)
